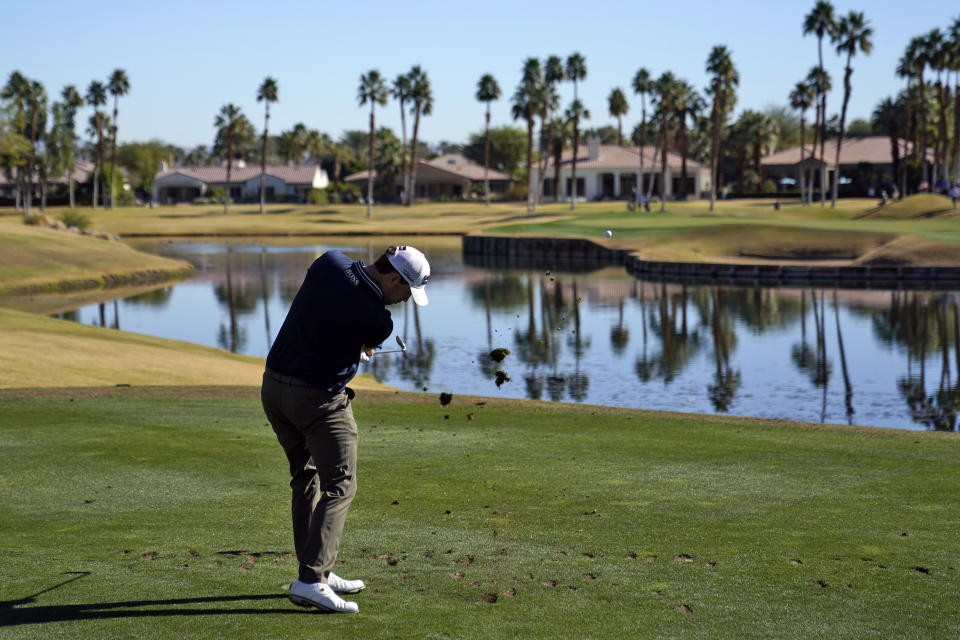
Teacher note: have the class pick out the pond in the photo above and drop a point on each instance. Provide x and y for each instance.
(858, 357)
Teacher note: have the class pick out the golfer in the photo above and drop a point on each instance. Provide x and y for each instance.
(337, 314)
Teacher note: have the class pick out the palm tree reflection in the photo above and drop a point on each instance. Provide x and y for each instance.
(726, 380)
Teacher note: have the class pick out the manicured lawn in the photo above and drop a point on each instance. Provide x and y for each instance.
(41, 258)
(166, 510)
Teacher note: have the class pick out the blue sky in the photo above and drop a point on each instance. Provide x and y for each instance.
(186, 59)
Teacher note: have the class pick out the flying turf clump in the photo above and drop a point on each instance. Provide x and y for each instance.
(498, 354)
(501, 377)
(445, 399)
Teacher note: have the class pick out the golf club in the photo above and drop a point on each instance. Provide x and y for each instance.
(402, 349)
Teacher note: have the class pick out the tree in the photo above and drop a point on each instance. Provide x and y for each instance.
(372, 89)
(96, 98)
(642, 85)
(688, 104)
(37, 117)
(801, 98)
(853, 34)
(422, 98)
(401, 93)
(576, 71)
(821, 22)
(141, 160)
(560, 134)
(119, 85)
(955, 67)
(821, 82)
(231, 125)
(525, 107)
(554, 72)
(665, 93)
(939, 54)
(887, 117)
(266, 93)
(17, 152)
(618, 107)
(575, 114)
(723, 82)
(487, 91)
(508, 148)
(72, 101)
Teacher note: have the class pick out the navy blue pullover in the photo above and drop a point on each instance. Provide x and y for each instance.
(338, 308)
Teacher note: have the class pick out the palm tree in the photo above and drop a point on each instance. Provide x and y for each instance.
(37, 115)
(821, 82)
(665, 93)
(853, 34)
(955, 67)
(887, 116)
(576, 69)
(821, 21)
(559, 135)
(939, 54)
(266, 93)
(373, 90)
(575, 113)
(723, 82)
(801, 98)
(73, 101)
(487, 91)
(401, 93)
(97, 97)
(554, 73)
(231, 126)
(689, 104)
(617, 104)
(119, 85)
(422, 98)
(642, 85)
(525, 106)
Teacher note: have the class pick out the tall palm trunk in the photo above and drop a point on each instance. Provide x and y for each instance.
(28, 201)
(664, 135)
(413, 155)
(226, 195)
(803, 144)
(843, 116)
(98, 167)
(113, 157)
(573, 169)
(405, 171)
(370, 166)
(643, 130)
(557, 157)
(263, 156)
(817, 131)
(530, 175)
(923, 129)
(486, 158)
(956, 128)
(683, 158)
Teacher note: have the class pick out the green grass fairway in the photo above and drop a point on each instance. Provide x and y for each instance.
(163, 513)
(40, 259)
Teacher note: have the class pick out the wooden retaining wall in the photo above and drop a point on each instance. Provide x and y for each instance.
(580, 254)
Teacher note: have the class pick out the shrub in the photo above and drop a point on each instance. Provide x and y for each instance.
(35, 220)
(73, 218)
(769, 186)
(126, 198)
(317, 196)
(217, 194)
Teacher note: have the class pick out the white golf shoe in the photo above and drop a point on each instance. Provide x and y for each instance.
(321, 596)
(339, 585)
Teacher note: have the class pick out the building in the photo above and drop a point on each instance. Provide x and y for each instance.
(609, 171)
(865, 163)
(282, 184)
(451, 175)
(82, 179)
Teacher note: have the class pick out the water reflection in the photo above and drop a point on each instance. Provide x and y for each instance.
(854, 357)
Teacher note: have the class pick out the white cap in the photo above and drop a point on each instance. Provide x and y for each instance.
(413, 266)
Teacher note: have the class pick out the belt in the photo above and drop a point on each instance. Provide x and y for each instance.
(285, 379)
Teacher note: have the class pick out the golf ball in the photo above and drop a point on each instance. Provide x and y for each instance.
(608, 233)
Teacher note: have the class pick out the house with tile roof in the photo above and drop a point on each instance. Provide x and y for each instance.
(283, 183)
(609, 171)
(864, 162)
(451, 175)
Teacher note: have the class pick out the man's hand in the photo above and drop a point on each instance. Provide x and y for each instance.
(365, 353)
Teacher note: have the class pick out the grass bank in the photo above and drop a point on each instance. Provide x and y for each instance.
(39, 260)
(45, 352)
(165, 515)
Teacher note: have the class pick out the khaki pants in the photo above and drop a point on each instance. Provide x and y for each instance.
(319, 436)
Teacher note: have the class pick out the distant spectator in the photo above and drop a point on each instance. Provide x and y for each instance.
(955, 194)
